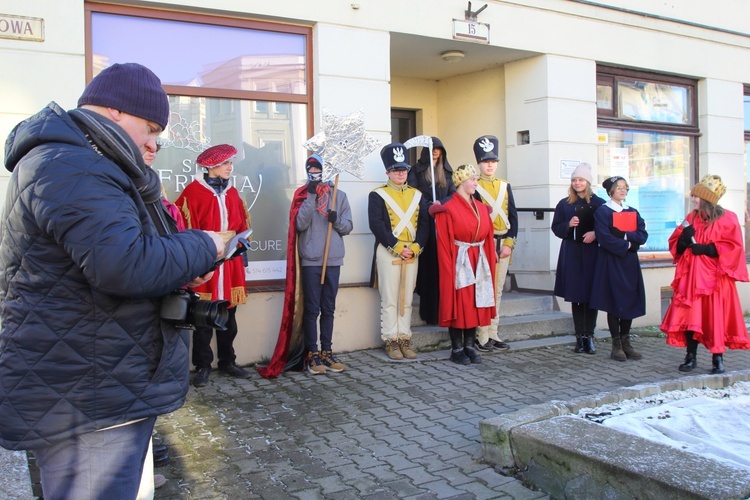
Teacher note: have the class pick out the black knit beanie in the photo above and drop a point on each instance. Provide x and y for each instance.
(130, 88)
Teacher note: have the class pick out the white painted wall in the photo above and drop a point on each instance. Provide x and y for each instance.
(550, 95)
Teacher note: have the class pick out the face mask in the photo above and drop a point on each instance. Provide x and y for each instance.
(315, 176)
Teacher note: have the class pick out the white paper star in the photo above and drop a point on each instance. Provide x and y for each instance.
(343, 144)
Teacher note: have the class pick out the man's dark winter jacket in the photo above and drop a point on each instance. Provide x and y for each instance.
(82, 274)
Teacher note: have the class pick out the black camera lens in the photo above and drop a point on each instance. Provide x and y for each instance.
(209, 313)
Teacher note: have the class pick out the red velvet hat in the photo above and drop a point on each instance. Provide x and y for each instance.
(216, 155)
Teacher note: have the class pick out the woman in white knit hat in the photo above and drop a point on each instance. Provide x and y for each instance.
(573, 223)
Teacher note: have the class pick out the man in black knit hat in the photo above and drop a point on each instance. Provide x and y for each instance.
(88, 254)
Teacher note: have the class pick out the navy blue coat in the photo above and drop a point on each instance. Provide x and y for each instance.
(82, 347)
(577, 260)
(618, 281)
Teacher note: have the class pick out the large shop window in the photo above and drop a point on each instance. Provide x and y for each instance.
(646, 133)
(231, 81)
(746, 109)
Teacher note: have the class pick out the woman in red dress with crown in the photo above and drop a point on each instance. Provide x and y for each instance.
(466, 258)
(705, 308)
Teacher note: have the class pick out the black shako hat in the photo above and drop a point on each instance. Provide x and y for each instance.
(485, 148)
(394, 157)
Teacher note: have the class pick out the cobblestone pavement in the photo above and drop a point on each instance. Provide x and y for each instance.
(383, 429)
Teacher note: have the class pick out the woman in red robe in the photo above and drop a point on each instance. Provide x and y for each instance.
(708, 251)
(466, 260)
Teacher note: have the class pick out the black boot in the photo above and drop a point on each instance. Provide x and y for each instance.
(579, 343)
(590, 325)
(579, 323)
(614, 330)
(457, 347)
(691, 360)
(717, 360)
(470, 336)
(588, 343)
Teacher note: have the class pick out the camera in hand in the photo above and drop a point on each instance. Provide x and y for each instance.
(187, 310)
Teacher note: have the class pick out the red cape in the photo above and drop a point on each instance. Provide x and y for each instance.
(705, 297)
(456, 221)
(290, 344)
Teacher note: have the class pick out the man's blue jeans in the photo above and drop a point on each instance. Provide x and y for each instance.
(103, 464)
(319, 300)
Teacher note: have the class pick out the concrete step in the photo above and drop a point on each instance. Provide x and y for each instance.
(532, 326)
(511, 329)
(521, 304)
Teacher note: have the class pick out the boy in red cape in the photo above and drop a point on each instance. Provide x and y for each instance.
(210, 202)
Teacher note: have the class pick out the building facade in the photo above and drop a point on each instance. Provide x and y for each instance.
(658, 92)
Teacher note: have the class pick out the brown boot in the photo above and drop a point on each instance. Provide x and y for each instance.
(331, 363)
(406, 349)
(393, 349)
(628, 349)
(617, 353)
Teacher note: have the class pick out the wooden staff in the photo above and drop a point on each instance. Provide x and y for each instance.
(402, 293)
(330, 227)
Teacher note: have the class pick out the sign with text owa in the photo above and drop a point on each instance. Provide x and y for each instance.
(22, 28)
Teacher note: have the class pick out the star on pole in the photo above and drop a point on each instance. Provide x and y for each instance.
(343, 144)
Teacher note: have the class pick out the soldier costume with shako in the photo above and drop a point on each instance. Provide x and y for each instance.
(497, 194)
(398, 218)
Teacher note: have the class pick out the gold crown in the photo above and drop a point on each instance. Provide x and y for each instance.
(710, 188)
(463, 173)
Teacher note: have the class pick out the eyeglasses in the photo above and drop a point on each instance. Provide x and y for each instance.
(622, 188)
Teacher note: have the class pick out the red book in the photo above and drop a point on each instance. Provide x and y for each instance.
(625, 221)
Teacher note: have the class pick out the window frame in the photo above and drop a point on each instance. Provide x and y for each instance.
(305, 98)
(608, 119)
(233, 22)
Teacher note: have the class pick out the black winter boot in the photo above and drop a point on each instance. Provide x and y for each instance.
(580, 343)
(717, 360)
(457, 347)
(470, 336)
(590, 324)
(691, 359)
(579, 324)
(588, 343)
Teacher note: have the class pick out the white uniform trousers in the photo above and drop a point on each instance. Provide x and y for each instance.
(491, 332)
(392, 325)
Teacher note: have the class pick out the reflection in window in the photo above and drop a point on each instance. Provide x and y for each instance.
(654, 102)
(657, 167)
(604, 97)
(203, 55)
(747, 195)
(267, 169)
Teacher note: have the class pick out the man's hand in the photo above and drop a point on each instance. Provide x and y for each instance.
(200, 280)
(332, 216)
(406, 253)
(505, 251)
(589, 237)
(312, 186)
(219, 242)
